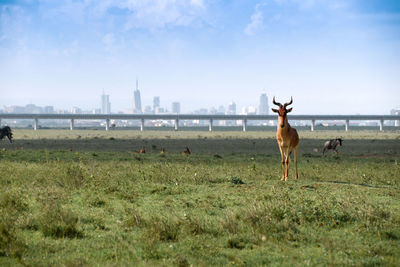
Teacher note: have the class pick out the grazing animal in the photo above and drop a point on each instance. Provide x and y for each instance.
(162, 151)
(287, 138)
(332, 144)
(6, 131)
(186, 151)
(141, 151)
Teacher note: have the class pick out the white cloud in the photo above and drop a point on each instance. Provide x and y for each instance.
(150, 14)
(199, 3)
(142, 14)
(257, 21)
(160, 13)
(108, 39)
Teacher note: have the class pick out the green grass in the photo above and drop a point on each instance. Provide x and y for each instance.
(218, 206)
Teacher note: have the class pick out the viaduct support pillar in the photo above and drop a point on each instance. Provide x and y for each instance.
(244, 121)
(381, 125)
(142, 125)
(107, 124)
(210, 125)
(71, 124)
(35, 124)
(312, 125)
(347, 125)
(176, 125)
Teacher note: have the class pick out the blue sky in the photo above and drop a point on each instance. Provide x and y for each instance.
(333, 57)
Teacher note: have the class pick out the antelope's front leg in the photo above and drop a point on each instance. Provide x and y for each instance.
(287, 163)
(283, 163)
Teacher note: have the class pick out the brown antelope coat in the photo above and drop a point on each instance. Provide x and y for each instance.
(287, 138)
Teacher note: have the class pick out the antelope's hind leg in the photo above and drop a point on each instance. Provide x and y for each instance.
(296, 150)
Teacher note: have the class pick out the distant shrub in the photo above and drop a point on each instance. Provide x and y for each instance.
(163, 228)
(231, 222)
(74, 176)
(13, 201)
(235, 242)
(133, 219)
(10, 245)
(58, 222)
(236, 180)
(197, 225)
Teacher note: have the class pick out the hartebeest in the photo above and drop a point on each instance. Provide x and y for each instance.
(287, 138)
(186, 151)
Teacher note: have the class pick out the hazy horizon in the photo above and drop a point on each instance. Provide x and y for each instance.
(333, 57)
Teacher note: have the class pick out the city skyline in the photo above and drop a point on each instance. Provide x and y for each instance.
(105, 107)
(333, 57)
(262, 108)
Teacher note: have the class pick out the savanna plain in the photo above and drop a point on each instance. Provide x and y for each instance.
(84, 197)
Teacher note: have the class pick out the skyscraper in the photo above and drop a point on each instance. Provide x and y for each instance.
(263, 108)
(156, 103)
(231, 108)
(176, 107)
(105, 104)
(137, 104)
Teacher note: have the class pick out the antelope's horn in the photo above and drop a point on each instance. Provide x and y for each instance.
(290, 102)
(276, 103)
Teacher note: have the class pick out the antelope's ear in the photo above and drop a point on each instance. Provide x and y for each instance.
(275, 110)
(289, 110)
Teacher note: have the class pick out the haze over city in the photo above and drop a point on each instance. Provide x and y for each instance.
(333, 57)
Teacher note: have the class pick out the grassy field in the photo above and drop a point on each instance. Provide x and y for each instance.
(83, 198)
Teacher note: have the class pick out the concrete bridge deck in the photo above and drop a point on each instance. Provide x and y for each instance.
(210, 118)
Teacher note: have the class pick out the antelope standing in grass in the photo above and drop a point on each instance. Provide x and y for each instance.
(186, 151)
(287, 138)
(141, 151)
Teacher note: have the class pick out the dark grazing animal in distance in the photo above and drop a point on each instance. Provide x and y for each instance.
(6, 131)
(186, 151)
(332, 144)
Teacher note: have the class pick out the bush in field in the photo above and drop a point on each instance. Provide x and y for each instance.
(58, 222)
(12, 205)
(163, 227)
(10, 244)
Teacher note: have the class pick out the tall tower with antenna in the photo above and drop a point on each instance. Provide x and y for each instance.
(137, 102)
(105, 104)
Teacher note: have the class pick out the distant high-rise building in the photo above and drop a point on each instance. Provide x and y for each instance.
(221, 110)
(76, 110)
(263, 108)
(49, 109)
(176, 107)
(156, 103)
(147, 109)
(137, 104)
(31, 108)
(213, 110)
(105, 104)
(96, 111)
(231, 108)
(249, 110)
(159, 110)
(395, 112)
